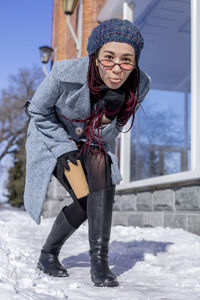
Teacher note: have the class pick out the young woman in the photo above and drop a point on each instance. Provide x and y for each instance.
(76, 113)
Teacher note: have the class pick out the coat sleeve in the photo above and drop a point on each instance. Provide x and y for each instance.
(109, 131)
(42, 111)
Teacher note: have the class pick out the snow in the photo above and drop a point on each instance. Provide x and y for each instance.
(151, 263)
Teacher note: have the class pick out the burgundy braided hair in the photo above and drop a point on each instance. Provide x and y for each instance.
(94, 121)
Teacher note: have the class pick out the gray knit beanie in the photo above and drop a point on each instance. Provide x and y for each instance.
(115, 30)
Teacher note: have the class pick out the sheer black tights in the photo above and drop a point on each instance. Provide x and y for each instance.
(98, 173)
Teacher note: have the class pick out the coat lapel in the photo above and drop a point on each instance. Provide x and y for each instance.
(74, 72)
(79, 102)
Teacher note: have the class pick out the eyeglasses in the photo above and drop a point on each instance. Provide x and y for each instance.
(109, 64)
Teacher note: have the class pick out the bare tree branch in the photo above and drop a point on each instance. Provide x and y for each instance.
(13, 119)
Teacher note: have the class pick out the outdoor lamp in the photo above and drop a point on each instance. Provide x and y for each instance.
(69, 6)
(45, 53)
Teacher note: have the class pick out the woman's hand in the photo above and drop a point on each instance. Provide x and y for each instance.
(113, 100)
(68, 157)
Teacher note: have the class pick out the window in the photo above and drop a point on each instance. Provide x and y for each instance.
(160, 137)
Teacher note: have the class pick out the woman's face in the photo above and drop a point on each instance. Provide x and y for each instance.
(115, 76)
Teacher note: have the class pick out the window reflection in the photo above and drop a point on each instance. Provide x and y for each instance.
(160, 137)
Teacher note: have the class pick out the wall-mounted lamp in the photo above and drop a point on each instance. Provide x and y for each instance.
(68, 8)
(45, 54)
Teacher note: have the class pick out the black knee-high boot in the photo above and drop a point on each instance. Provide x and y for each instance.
(60, 232)
(99, 211)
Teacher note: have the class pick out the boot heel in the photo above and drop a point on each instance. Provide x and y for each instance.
(49, 264)
(105, 283)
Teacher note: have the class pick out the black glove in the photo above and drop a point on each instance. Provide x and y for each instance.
(69, 156)
(113, 100)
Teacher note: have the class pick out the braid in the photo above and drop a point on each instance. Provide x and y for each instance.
(93, 78)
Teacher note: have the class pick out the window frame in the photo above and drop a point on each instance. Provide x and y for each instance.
(125, 141)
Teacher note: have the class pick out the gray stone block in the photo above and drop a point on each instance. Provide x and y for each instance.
(50, 191)
(61, 192)
(163, 200)
(125, 202)
(56, 190)
(115, 206)
(52, 208)
(174, 220)
(144, 201)
(120, 218)
(188, 199)
(194, 223)
(152, 219)
(135, 219)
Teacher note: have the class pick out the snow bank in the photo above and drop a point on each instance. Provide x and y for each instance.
(151, 263)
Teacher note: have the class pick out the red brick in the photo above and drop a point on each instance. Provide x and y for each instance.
(62, 39)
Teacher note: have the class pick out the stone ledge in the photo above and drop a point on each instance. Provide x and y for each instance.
(187, 178)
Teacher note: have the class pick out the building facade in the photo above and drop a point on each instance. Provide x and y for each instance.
(160, 156)
(83, 20)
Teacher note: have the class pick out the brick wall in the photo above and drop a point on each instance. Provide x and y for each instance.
(61, 36)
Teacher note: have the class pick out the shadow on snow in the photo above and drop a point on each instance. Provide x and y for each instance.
(122, 255)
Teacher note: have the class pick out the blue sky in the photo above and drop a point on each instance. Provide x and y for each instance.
(24, 26)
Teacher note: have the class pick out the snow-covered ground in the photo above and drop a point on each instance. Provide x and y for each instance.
(151, 263)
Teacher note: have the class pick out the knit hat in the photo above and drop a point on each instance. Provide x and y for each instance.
(115, 30)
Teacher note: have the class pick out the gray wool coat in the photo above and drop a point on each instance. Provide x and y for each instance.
(64, 91)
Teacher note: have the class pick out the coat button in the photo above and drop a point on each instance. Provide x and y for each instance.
(78, 130)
